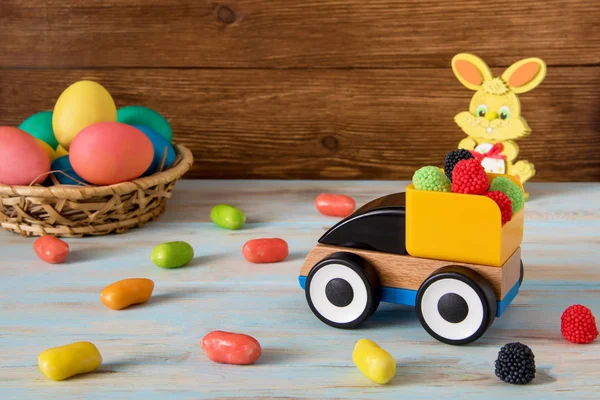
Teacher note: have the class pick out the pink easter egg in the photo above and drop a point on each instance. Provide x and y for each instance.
(23, 160)
(106, 153)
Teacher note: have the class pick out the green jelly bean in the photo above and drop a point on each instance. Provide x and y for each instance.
(172, 254)
(227, 216)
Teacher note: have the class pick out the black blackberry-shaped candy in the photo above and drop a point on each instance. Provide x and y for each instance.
(515, 364)
(453, 158)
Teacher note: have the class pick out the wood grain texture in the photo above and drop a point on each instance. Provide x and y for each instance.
(294, 33)
(406, 272)
(292, 89)
(152, 351)
(330, 124)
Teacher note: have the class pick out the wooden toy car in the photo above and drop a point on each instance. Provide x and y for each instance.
(447, 254)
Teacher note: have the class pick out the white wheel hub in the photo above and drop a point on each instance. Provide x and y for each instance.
(320, 301)
(436, 322)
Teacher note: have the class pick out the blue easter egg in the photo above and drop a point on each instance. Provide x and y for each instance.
(63, 164)
(160, 145)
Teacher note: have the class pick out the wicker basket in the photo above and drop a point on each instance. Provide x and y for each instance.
(77, 211)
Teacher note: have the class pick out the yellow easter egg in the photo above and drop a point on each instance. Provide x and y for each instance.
(60, 151)
(48, 149)
(82, 104)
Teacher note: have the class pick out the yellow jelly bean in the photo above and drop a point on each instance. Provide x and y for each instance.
(63, 362)
(374, 362)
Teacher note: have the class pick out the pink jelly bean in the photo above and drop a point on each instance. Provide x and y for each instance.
(267, 250)
(51, 249)
(335, 205)
(231, 348)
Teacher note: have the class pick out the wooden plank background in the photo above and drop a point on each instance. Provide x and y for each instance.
(312, 89)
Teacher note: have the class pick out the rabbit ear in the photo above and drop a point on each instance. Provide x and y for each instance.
(525, 75)
(470, 70)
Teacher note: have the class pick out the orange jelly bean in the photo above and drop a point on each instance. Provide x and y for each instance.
(127, 292)
(231, 348)
(268, 250)
(51, 249)
(335, 205)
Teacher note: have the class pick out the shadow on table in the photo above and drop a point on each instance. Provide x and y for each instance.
(106, 368)
(391, 315)
(297, 256)
(418, 372)
(182, 292)
(114, 367)
(543, 377)
(203, 261)
(166, 297)
(277, 356)
(82, 255)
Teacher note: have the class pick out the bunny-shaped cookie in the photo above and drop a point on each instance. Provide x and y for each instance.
(494, 121)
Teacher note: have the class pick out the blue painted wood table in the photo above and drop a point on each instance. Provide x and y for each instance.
(152, 351)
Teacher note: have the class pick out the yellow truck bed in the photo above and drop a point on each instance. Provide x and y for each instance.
(460, 227)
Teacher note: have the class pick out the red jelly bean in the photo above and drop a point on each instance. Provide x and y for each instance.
(265, 250)
(231, 348)
(51, 249)
(335, 205)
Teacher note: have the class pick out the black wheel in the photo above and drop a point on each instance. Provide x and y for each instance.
(456, 305)
(343, 290)
(522, 274)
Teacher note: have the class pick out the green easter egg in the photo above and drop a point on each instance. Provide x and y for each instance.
(39, 125)
(140, 115)
(227, 216)
(172, 254)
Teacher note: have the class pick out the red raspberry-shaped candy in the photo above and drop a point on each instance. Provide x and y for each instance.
(504, 203)
(469, 177)
(578, 325)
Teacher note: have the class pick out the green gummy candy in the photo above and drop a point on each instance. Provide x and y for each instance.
(432, 179)
(39, 126)
(227, 216)
(510, 189)
(140, 115)
(172, 254)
